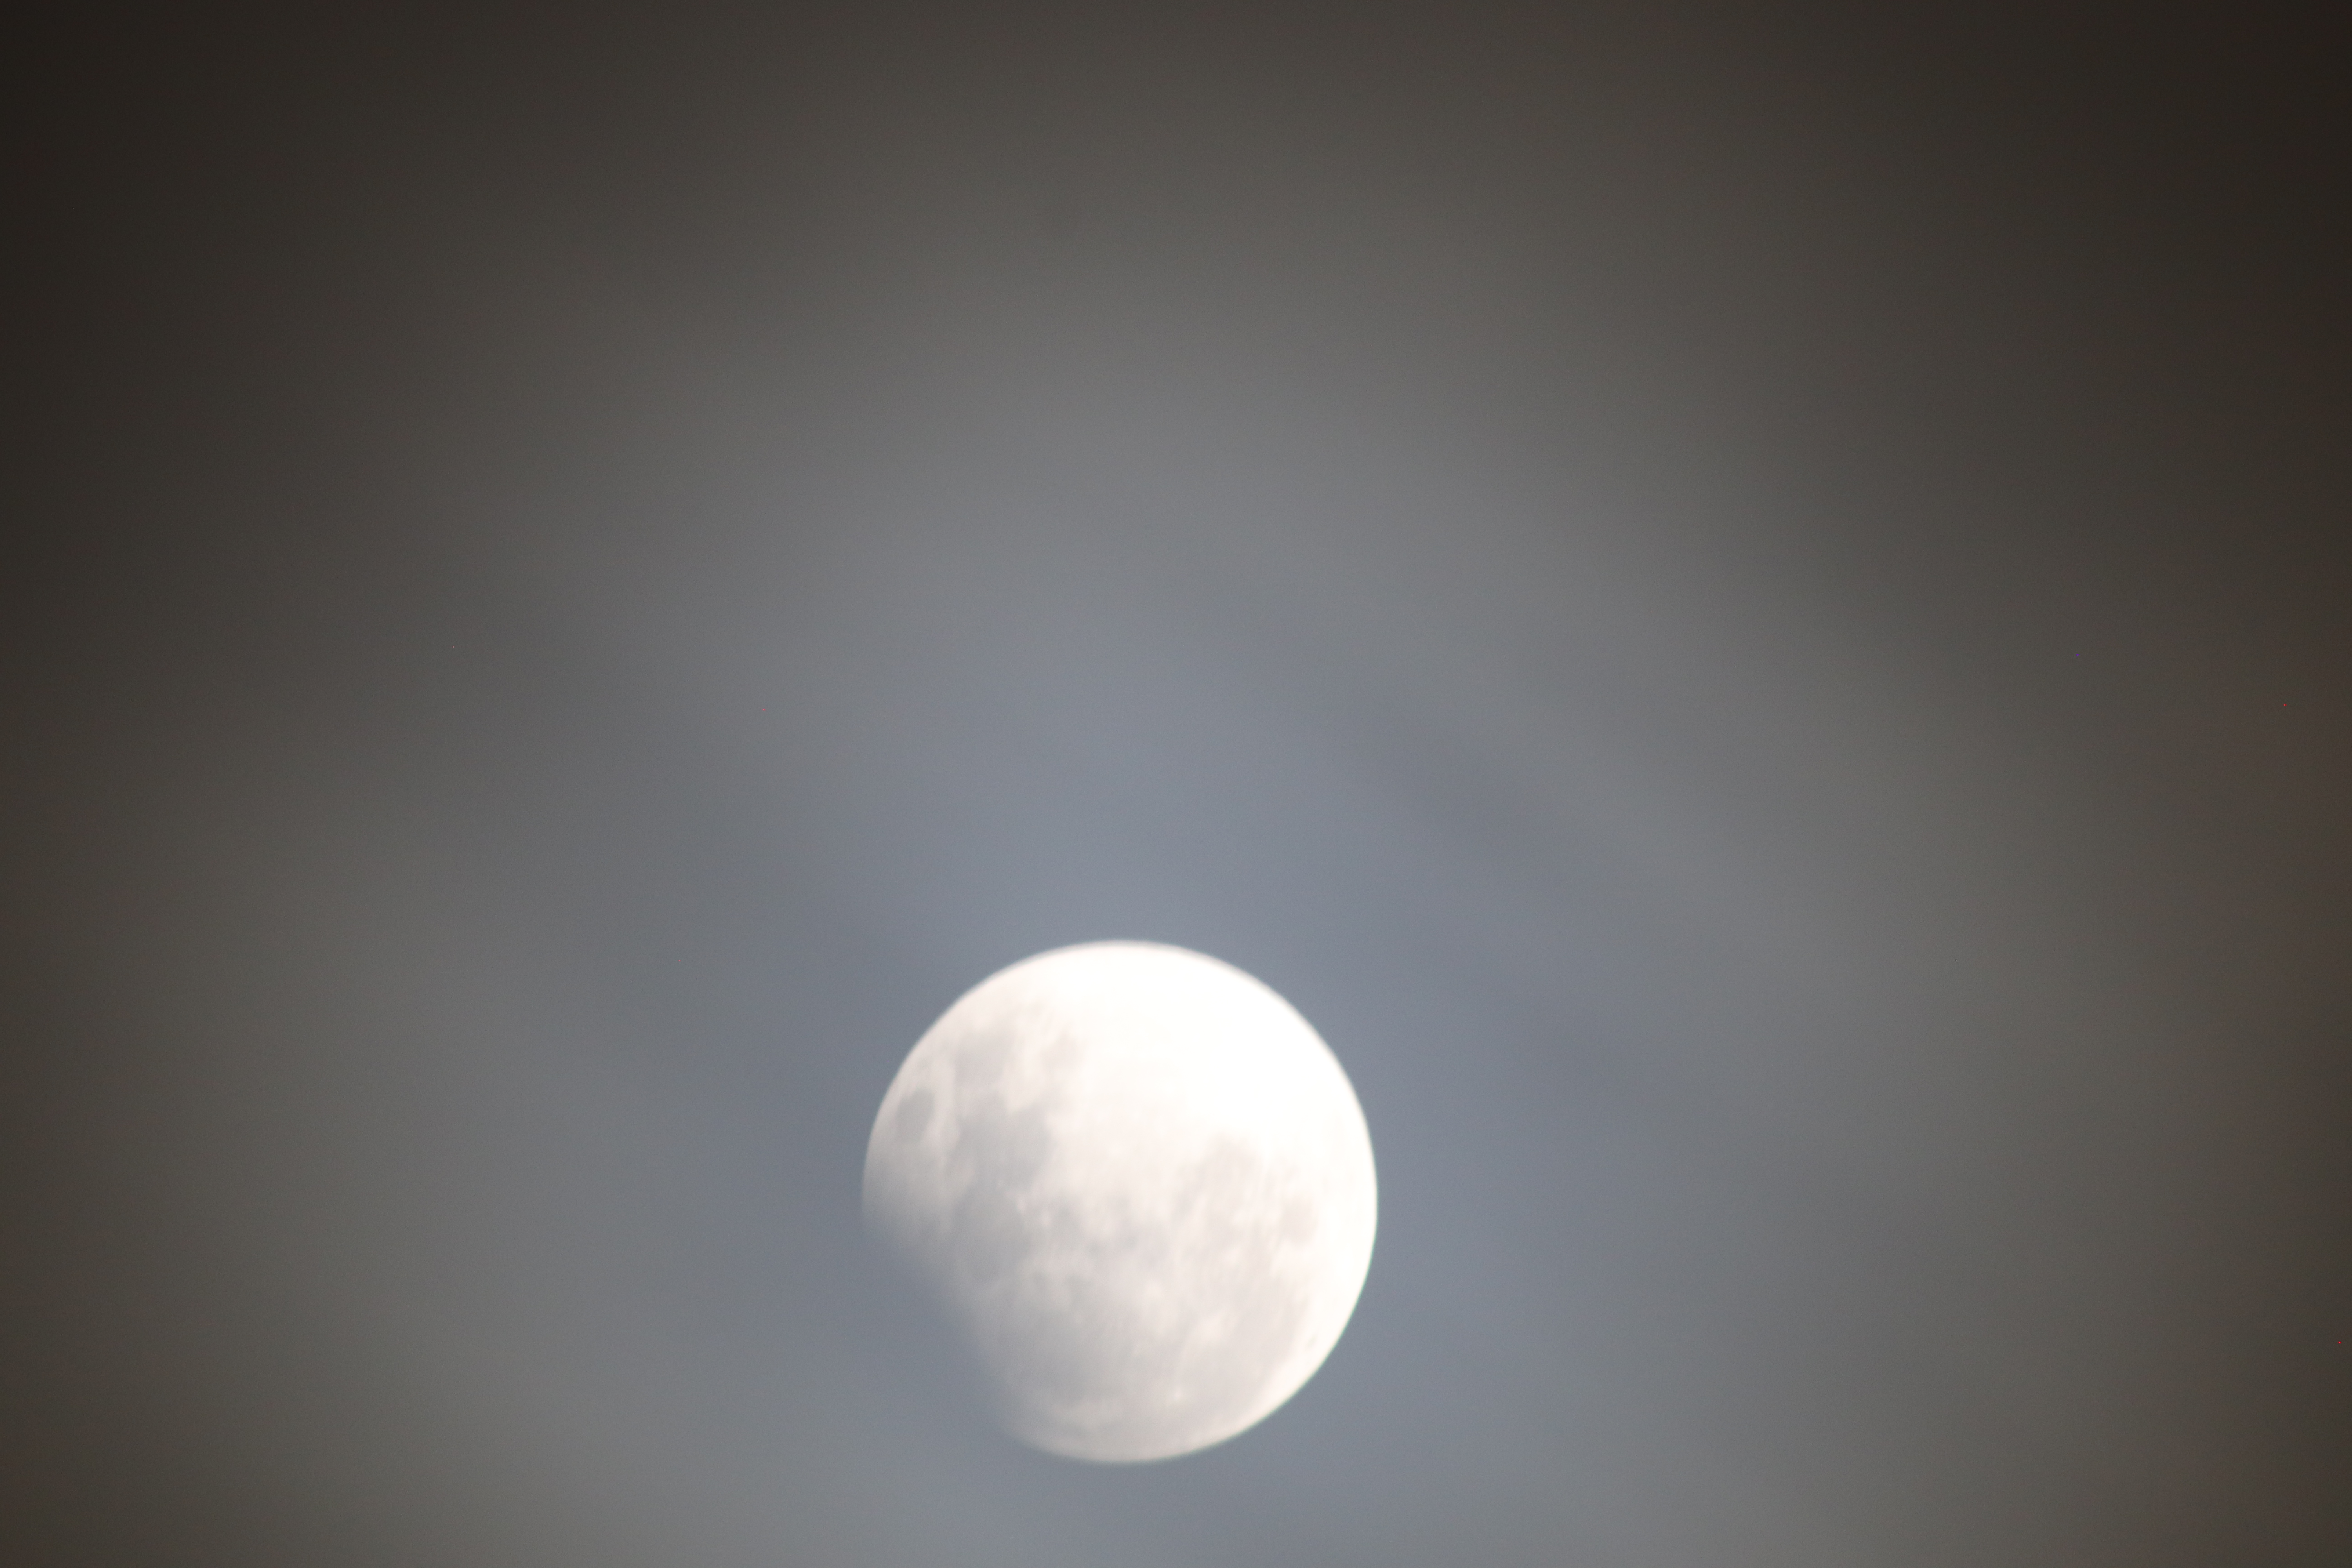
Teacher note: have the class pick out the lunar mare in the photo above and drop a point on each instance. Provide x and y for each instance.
(1139, 1185)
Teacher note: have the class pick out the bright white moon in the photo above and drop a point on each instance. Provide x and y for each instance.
(1138, 1182)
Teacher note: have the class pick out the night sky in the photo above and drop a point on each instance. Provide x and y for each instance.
(1749, 608)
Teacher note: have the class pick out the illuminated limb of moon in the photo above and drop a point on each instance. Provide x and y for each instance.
(1139, 1185)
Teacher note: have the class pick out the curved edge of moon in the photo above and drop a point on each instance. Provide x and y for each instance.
(1140, 1188)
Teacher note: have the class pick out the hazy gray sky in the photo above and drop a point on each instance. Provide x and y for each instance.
(1746, 609)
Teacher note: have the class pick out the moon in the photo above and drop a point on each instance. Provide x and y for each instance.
(1139, 1185)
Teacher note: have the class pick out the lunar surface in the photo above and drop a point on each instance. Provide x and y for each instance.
(1139, 1185)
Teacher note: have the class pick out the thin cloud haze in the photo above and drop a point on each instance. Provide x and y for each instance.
(1745, 612)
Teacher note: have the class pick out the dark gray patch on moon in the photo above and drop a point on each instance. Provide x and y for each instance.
(913, 1116)
(1000, 1153)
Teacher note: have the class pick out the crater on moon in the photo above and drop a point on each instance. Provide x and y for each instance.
(1139, 1185)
